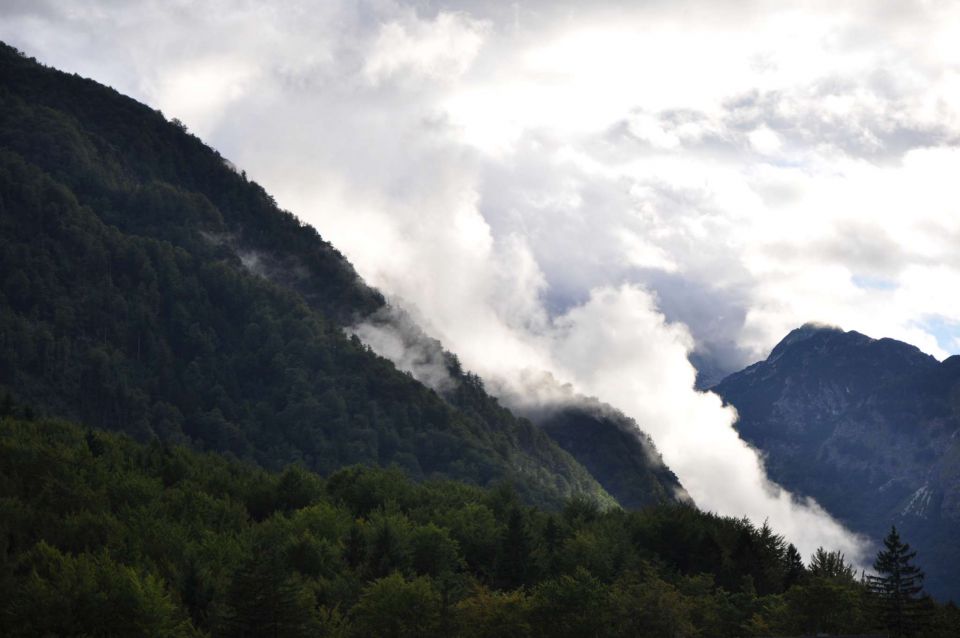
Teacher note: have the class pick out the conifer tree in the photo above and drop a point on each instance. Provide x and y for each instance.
(898, 586)
(513, 558)
(831, 565)
(795, 569)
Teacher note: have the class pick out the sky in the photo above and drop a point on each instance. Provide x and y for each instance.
(600, 191)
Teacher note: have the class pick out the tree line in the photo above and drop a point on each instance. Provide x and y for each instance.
(102, 535)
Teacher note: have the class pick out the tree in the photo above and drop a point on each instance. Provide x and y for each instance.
(394, 607)
(91, 594)
(513, 557)
(831, 565)
(828, 604)
(490, 614)
(570, 606)
(265, 599)
(898, 587)
(826, 600)
(794, 568)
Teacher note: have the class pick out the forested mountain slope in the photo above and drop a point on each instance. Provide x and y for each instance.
(615, 451)
(148, 286)
(610, 445)
(125, 303)
(868, 427)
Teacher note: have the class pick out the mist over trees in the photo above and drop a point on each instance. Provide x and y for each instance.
(126, 304)
(191, 446)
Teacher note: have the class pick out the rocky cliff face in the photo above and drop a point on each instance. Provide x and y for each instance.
(868, 427)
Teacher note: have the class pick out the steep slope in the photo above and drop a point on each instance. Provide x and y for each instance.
(149, 287)
(870, 428)
(612, 447)
(616, 452)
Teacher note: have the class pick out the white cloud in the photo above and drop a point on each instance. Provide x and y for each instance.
(765, 140)
(440, 49)
(620, 349)
(643, 254)
(590, 191)
(200, 90)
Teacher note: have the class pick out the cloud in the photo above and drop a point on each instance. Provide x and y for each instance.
(440, 49)
(201, 89)
(596, 191)
(620, 349)
(392, 334)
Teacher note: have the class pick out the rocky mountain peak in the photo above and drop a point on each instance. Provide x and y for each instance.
(846, 354)
(870, 428)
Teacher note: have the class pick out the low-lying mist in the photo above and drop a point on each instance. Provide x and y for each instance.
(618, 349)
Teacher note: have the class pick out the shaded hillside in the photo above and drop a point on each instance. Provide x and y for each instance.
(150, 288)
(610, 445)
(616, 452)
(870, 428)
(103, 536)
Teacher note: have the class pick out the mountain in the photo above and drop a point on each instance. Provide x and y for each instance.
(868, 427)
(149, 287)
(616, 452)
(610, 445)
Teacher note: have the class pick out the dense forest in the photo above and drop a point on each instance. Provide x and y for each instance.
(120, 538)
(125, 303)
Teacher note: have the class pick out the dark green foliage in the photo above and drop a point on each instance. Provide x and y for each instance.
(159, 540)
(147, 288)
(826, 598)
(823, 604)
(898, 586)
(616, 452)
(830, 565)
(60, 594)
(394, 607)
(266, 599)
(513, 565)
(795, 567)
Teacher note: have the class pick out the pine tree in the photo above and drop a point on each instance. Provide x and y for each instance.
(794, 569)
(898, 587)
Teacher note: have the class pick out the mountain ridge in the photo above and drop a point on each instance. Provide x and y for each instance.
(868, 427)
(175, 248)
(120, 311)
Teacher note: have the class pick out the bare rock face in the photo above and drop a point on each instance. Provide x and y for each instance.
(868, 427)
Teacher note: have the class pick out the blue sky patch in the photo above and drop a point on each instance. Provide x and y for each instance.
(867, 282)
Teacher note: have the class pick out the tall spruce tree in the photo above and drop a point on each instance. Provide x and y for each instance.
(898, 587)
